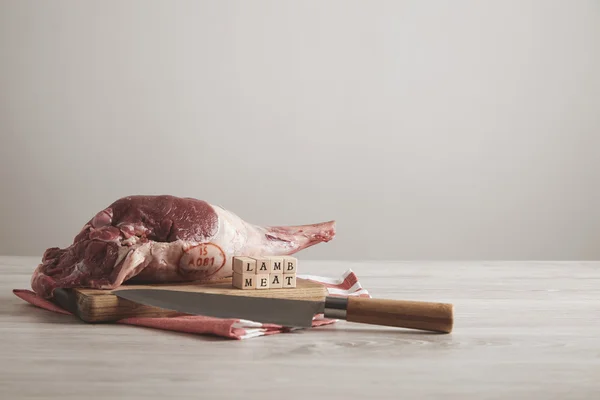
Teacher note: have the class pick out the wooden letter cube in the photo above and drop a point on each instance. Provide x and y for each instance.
(289, 281)
(289, 265)
(262, 281)
(244, 281)
(276, 265)
(263, 265)
(276, 281)
(244, 265)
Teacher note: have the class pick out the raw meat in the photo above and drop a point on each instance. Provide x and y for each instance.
(165, 239)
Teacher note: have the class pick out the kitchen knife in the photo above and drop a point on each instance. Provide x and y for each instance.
(436, 317)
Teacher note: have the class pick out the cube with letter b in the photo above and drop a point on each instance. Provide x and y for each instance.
(289, 265)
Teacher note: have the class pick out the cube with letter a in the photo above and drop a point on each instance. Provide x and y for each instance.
(263, 265)
(276, 281)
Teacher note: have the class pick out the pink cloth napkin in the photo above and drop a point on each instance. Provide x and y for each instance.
(345, 285)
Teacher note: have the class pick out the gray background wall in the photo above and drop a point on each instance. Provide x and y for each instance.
(427, 129)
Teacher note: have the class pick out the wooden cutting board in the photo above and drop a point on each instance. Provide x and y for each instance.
(94, 305)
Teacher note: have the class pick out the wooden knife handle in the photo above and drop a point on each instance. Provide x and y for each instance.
(436, 317)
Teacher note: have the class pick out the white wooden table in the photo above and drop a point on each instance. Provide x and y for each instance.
(523, 330)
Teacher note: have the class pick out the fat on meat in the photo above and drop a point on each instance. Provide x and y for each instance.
(160, 239)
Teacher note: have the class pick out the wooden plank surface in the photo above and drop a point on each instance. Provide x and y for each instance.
(523, 330)
(93, 305)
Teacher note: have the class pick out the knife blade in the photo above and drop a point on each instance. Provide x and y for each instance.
(284, 312)
(436, 317)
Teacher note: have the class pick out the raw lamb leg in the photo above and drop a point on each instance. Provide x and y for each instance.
(165, 239)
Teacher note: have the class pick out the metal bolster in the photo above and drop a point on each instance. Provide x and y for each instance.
(335, 307)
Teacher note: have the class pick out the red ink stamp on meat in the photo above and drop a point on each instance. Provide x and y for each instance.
(204, 259)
